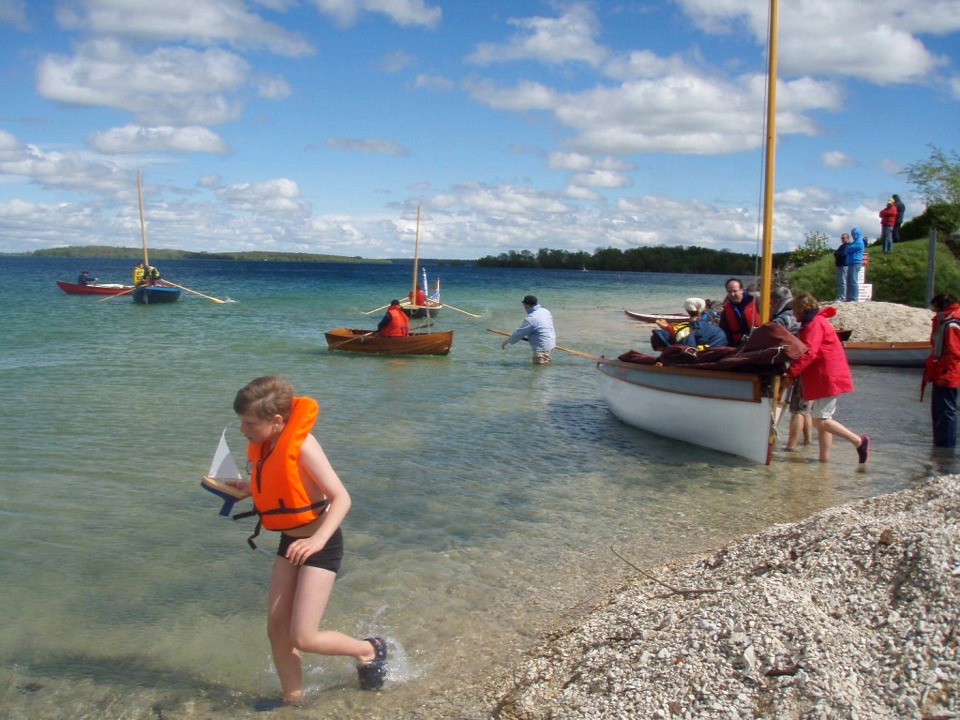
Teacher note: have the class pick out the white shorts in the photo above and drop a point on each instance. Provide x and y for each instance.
(823, 408)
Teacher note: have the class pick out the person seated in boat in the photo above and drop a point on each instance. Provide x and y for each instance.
(394, 322)
(740, 313)
(696, 332)
(144, 274)
(85, 278)
(419, 298)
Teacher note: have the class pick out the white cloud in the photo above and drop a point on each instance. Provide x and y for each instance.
(176, 86)
(563, 39)
(434, 82)
(135, 139)
(837, 159)
(195, 21)
(402, 12)
(281, 195)
(874, 41)
(369, 145)
(684, 113)
(14, 13)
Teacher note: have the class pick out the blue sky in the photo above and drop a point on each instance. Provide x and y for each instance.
(321, 125)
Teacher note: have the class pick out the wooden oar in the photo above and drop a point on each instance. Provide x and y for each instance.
(355, 337)
(208, 297)
(557, 347)
(111, 297)
(458, 310)
(371, 312)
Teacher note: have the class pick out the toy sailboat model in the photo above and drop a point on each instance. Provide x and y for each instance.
(222, 469)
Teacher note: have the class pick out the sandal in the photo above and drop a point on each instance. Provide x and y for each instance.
(373, 673)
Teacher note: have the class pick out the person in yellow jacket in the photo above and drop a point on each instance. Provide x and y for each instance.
(144, 274)
(296, 491)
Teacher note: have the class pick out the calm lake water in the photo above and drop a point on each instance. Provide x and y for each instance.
(487, 491)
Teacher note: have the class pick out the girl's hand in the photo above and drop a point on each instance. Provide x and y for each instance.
(241, 485)
(301, 549)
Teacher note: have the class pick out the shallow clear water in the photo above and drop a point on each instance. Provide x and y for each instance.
(487, 492)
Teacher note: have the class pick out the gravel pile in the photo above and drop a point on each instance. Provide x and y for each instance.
(881, 321)
(852, 613)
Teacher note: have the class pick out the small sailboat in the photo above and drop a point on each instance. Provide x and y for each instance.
(150, 294)
(222, 469)
(420, 304)
(733, 412)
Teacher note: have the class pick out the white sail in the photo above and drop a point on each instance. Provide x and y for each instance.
(223, 467)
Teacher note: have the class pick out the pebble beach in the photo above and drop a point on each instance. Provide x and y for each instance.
(851, 613)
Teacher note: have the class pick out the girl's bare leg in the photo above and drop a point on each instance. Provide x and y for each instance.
(286, 658)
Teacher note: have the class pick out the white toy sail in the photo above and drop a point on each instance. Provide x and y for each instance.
(222, 469)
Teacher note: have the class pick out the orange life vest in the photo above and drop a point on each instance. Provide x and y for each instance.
(279, 495)
(399, 324)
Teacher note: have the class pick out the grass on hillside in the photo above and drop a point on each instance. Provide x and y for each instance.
(898, 277)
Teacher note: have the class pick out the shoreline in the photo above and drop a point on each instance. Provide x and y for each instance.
(849, 613)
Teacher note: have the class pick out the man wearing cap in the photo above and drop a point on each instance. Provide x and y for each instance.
(888, 218)
(537, 328)
(394, 322)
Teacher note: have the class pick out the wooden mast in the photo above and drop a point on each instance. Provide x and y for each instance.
(766, 263)
(143, 224)
(416, 259)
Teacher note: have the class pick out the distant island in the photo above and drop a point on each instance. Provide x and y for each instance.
(110, 252)
(690, 260)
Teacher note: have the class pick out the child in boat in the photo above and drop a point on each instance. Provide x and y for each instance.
(296, 491)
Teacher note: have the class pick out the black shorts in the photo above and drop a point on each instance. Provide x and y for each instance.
(328, 558)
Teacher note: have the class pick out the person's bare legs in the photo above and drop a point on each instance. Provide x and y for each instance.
(801, 426)
(826, 429)
(296, 602)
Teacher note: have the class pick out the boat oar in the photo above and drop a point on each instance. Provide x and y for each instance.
(371, 312)
(458, 310)
(208, 297)
(557, 347)
(355, 337)
(111, 297)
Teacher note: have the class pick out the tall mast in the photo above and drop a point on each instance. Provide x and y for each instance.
(766, 263)
(143, 224)
(416, 258)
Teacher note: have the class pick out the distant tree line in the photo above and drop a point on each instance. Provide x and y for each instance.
(111, 252)
(696, 260)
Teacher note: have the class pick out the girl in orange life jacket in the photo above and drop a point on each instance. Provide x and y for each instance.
(394, 322)
(297, 491)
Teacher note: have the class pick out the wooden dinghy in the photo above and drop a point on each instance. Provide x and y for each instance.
(653, 317)
(367, 341)
(887, 354)
(93, 289)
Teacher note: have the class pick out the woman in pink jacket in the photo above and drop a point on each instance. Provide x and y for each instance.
(825, 374)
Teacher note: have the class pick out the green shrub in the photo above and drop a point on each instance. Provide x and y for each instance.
(898, 277)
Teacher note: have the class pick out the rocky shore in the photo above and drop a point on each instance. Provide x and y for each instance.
(852, 613)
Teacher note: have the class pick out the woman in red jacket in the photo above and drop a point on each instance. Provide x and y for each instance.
(943, 369)
(825, 374)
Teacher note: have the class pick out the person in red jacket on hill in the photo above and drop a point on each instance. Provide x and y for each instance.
(943, 369)
(825, 374)
(888, 218)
